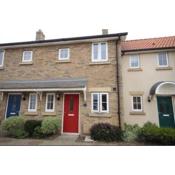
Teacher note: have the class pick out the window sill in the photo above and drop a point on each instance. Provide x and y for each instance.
(134, 69)
(63, 61)
(100, 115)
(99, 63)
(48, 113)
(164, 68)
(31, 113)
(137, 113)
(27, 63)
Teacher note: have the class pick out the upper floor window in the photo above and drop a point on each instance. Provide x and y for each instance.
(162, 59)
(32, 107)
(100, 102)
(64, 54)
(27, 56)
(1, 58)
(136, 103)
(99, 52)
(50, 102)
(134, 61)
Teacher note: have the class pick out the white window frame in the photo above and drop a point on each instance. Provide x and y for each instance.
(167, 59)
(50, 110)
(26, 61)
(100, 110)
(32, 110)
(3, 54)
(141, 101)
(130, 58)
(59, 54)
(99, 59)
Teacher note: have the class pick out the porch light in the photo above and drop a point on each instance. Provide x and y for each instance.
(58, 96)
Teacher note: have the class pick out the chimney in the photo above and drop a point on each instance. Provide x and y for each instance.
(104, 31)
(40, 35)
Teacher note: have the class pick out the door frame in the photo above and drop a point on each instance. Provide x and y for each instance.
(8, 102)
(70, 133)
(172, 101)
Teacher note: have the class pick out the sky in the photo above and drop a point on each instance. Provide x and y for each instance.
(20, 19)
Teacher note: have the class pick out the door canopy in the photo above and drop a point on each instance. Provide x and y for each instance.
(163, 88)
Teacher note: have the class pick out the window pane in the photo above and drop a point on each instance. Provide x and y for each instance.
(137, 103)
(95, 51)
(27, 55)
(163, 59)
(95, 102)
(71, 104)
(103, 51)
(134, 61)
(50, 100)
(1, 58)
(32, 105)
(63, 53)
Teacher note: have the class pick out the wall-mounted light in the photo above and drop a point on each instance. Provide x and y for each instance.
(149, 98)
(23, 97)
(58, 96)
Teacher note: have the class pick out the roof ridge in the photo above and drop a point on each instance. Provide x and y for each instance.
(172, 36)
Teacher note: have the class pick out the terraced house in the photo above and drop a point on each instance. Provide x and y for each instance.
(148, 76)
(75, 79)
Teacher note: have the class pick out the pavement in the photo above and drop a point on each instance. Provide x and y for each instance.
(62, 140)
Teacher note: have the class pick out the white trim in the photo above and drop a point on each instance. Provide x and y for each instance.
(8, 102)
(59, 54)
(36, 103)
(130, 58)
(158, 87)
(50, 110)
(167, 60)
(3, 56)
(31, 57)
(99, 110)
(141, 102)
(79, 131)
(99, 59)
(42, 90)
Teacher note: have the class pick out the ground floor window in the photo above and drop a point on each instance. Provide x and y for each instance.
(32, 107)
(50, 102)
(137, 103)
(100, 102)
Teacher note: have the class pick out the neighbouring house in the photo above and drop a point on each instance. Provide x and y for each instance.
(74, 79)
(148, 81)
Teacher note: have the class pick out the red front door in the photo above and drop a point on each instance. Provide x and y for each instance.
(71, 112)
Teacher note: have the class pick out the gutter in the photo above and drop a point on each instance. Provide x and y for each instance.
(118, 83)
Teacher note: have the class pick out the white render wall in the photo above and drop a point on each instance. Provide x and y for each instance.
(141, 82)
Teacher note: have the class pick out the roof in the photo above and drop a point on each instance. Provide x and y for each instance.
(64, 39)
(39, 84)
(149, 44)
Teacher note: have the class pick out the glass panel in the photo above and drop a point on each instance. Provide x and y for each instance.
(137, 103)
(162, 59)
(27, 55)
(134, 61)
(95, 51)
(32, 101)
(71, 104)
(64, 53)
(95, 102)
(103, 51)
(1, 58)
(50, 102)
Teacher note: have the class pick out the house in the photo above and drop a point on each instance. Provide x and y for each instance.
(70, 78)
(148, 81)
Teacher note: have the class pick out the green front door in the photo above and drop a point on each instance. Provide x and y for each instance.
(165, 110)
